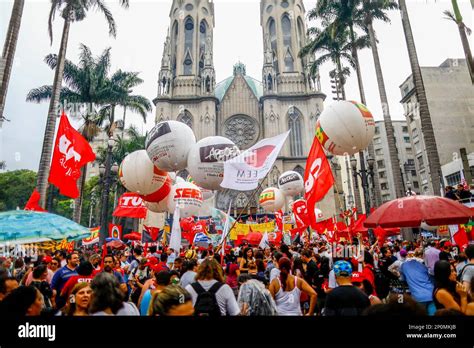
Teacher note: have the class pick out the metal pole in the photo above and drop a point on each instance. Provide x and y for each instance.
(105, 198)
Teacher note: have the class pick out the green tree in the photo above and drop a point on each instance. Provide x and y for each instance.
(16, 188)
(71, 11)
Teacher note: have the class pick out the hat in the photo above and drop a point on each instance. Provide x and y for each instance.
(190, 254)
(342, 269)
(158, 268)
(153, 260)
(357, 277)
(448, 244)
(47, 259)
(403, 253)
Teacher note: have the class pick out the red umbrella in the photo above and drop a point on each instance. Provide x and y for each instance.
(133, 236)
(254, 238)
(412, 211)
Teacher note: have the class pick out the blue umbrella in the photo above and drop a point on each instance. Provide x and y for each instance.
(21, 227)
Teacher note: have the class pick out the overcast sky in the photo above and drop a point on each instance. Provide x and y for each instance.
(237, 36)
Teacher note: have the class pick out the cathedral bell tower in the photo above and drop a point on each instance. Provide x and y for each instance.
(284, 34)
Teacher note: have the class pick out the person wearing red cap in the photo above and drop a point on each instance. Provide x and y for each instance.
(46, 260)
(359, 281)
(445, 253)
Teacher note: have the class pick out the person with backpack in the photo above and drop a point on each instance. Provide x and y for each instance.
(211, 296)
(467, 272)
(254, 299)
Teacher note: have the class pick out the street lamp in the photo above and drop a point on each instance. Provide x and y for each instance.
(105, 172)
(364, 175)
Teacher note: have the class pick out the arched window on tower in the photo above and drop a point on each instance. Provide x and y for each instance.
(301, 36)
(300, 170)
(175, 33)
(273, 41)
(202, 44)
(294, 123)
(186, 118)
(188, 46)
(286, 30)
(270, 82)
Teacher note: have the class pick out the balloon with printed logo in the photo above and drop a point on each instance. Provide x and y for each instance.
(206, 194)
(157, 207)
(187, 196)
(138, 174)
(206, 161)
(271, 199)
(345, 127)
(291, 183)
(168, 144)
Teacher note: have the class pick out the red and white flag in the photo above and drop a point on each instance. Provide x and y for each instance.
(71, 152)
(243, 172)
(463, 181)
(458, 236)
(279, 220)
(130, 205)
(300, 210)
(115, 231)
(33, 202)
(318, 178)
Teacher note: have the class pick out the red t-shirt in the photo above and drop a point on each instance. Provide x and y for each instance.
(368, 273)
(72, 281)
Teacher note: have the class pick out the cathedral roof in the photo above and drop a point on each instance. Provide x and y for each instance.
(255, 85)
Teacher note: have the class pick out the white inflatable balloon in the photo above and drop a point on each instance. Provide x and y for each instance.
(157, 207)
(187, 196)
(206, 194)
(291, 183)
(168, 144)
(138, 174)
(427, 227)
(206, 161)
(345, 127)
(271, 199)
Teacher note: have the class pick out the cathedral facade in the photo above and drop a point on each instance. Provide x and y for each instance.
(242, 108)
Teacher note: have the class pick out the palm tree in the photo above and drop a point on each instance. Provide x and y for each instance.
(71, 11)
(456, 17)
(9, 50)
(370, 11)
(424, 112)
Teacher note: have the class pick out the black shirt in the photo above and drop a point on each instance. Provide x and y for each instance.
(311, 273)
(346, 300)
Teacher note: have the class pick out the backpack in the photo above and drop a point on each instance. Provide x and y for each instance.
(206, 302)
(260, 301)
(459, 277)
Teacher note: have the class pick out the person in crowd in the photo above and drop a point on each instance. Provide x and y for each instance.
(54, 265)
(231, 279)
(386, 261)
(45, 260)
(248, 256)
(311, 275)
(450, 193)
(287, 288)
(448, 293)
(23, 301)
(345, 299)
(7, 285)
(275, 272)
(397, 306)
(109, 263)
(84, 275)
(173, 300)
(95, 260)
(6, 265)
(394, 268)
(363, 284)
(161, 281)
(210, 285)
(462, 194)
(461, 261)
(62, 255)
(79, 300)
(254, 299)
(39, 281)
(445, 253)
(135, 259)
(62, 276)
(417, 276)
(108, 297)
(431, 256)
(467, 272)
(19, 269)
(190, 268)
(178, 265)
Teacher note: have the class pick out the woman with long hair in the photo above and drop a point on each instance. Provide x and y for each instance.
(172, 301)
(23, 301)
(246, 259)
(286, 290)
(78, 301)
(448, 293)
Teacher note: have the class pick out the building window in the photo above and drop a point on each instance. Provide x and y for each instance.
(414, 132)
(384, 186)
(413, 173)
(202, 44)
(382, 175)
(381, 164)
(188, 46)
(405, 129)
(273, 40)
(377, 130)
(406, 139)
(453, 179)
(385, 198)
(421, 163)
(409, 150)
(175, 48)
(286, 30)
(186, 118)
(379, 152)
(294, 123)
(416, 184)
(377, 141)
(411, 162)
(299, 169)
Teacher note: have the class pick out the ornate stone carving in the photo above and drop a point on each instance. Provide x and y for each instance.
(242, 130)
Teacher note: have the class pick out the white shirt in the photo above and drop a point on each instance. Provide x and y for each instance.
(225, 297)
(274, 273)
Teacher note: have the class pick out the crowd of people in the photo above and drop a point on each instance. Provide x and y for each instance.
(460, 194)
(349, 278)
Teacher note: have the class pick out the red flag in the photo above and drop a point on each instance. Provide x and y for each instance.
(130, 205)
(460, 238)
(33, 202)
(71, 152)
(151, 234)
(318, 178)
(381, 234)
(115, 231)
(279, 220)
(300, 210)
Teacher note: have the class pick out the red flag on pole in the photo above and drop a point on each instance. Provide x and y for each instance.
(130, 205)
(318, 178)
(279, 220)
(71, 152)
(300, 210)
(33, 202)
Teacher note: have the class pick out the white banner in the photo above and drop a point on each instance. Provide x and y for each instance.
(175, 238)
(243, 172)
